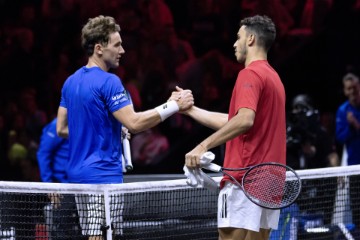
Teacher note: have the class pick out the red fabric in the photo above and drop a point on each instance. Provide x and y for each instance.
(258, 87)
(41, 232)
(266, 183)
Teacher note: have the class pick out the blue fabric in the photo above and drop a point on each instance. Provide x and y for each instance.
(52, 155)
(288, 224)
(348, 135)
(91, 95)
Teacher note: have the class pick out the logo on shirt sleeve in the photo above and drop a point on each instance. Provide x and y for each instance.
(120, 97)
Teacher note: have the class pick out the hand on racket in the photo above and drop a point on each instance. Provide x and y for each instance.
(269, 185)
(126, 158)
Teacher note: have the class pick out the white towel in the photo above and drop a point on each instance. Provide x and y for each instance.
(197, 178)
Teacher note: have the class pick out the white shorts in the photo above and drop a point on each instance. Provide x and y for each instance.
(92, 214)
(237, 211)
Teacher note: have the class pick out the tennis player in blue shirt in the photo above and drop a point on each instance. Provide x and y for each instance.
(93, 108)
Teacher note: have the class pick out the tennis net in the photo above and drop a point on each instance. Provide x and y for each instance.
(328, 208)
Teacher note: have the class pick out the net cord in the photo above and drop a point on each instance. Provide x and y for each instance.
(68, 188)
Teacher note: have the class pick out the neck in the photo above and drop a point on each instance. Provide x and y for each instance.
(256, 56)
(95, 62)
(355, 103)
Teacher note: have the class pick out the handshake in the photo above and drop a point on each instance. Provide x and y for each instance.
(183, 98)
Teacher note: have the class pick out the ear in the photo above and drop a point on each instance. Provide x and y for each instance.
(251, 39)
(98, 49)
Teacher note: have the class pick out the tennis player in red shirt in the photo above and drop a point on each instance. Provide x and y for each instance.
(254, 131)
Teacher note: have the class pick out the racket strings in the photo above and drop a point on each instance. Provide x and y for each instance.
(271, 186)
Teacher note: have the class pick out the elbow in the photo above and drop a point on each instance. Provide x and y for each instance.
(248, 123)
(133, 128)
(136, 125)
(58, 132)
(62, 133)
(247, 126)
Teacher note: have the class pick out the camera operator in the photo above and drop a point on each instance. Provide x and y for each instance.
(308, 143)
(310, 146)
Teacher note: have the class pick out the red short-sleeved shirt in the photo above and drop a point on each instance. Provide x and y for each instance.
(258, 87)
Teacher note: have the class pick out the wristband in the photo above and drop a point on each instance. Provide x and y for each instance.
(167, 109)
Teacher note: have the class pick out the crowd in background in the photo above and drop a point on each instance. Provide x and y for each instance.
(167, 43)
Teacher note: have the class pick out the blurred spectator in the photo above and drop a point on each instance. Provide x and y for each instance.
(21, 41)
(61, 213)
(21, 152)
(308, 143)
(172, 50)
(348, 134)
(35, 118)
(348, 119)
(272, 8)
(52, 155)
(205, 75)
(3, 142)
(206, 26)
(159, 14)
(149, 147)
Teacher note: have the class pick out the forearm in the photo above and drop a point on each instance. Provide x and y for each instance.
(44, 167)
(213, 120)
(62, 128)
(229, 131)
(142, 121)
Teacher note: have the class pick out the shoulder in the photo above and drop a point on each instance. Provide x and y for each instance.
(111, 81)
(248, 71)
(249, 75)
(344, 107)
(112, 77)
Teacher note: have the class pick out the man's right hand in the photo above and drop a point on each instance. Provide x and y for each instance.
(353, 121)
(183, 98)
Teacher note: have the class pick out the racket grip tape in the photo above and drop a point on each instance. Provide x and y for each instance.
(127, 154)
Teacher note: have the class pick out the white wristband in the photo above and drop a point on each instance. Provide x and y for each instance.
(167, 109)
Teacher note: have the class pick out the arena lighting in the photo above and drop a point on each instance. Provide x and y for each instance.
(318, 230)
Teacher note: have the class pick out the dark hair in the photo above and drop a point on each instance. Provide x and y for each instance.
(350, 77)
(97, 30)
(262, 27)
(303, 100)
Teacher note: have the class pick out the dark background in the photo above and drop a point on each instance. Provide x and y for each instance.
(317, 44)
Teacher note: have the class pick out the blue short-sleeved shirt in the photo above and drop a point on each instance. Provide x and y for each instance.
(90, 96)
(347, 135)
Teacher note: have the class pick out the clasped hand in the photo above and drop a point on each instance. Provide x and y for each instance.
(183, 98)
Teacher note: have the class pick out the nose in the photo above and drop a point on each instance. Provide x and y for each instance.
(122, 50)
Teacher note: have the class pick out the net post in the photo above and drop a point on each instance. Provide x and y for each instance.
(107, 214)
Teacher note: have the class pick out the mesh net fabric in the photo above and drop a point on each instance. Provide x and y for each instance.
(328, 206)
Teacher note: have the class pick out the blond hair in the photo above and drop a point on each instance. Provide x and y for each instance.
(97, 30)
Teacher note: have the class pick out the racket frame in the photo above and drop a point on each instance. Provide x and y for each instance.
(249, 169)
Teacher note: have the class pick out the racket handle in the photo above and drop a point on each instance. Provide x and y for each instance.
(123, 163)
(212, 167)
(127, 154)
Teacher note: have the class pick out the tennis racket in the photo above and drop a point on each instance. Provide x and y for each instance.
(268, 185)
(126, 157)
